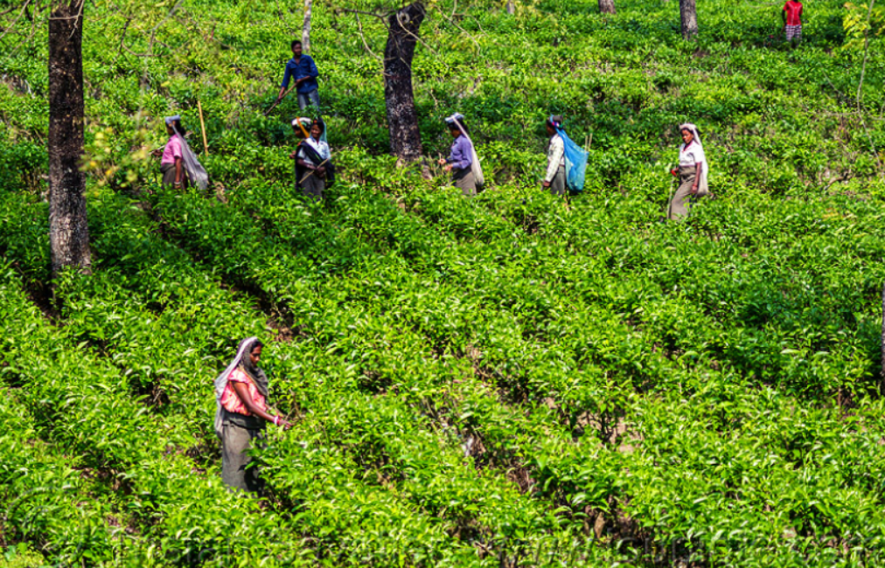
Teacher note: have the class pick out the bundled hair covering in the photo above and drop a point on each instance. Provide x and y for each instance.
(192, 166)
(555, 121)
(243, 361)
(703, 188)
(303, 124)
(457, 120)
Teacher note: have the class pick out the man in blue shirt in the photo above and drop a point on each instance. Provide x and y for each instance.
(304, 70)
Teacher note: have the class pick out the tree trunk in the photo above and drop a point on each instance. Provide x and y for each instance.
(305, 30)
(689, 13)
(511, 8)
(68, 233)
(883, 339)
(402, 119)
(607, 6)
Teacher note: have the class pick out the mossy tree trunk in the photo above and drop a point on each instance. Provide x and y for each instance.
(305, 29)
(689, 12)
(68, 233)
(402, 118)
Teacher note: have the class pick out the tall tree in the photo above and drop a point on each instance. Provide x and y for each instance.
(402, 118)
(305, 30)
(68, 232)
(607, 6)
(511, 7)
(689, 13)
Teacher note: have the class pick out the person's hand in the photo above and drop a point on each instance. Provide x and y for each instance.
(293, 155)
(441, 161)
(177, 183)
(448, 167)
(545, 183)
(157, 153)
(694, 189)
(674, 172)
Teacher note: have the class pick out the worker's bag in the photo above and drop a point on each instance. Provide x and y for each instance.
(575, 162)
(195, 171)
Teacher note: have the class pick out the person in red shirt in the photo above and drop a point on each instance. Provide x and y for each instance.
(792, 16)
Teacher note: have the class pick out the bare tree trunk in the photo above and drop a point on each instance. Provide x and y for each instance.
(883, 339)
(607, 6)
(402, 119)
(689, 12)
(68, 233)
(511, 8)
(305, 31)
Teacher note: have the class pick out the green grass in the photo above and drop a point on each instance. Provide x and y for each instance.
(509, 380)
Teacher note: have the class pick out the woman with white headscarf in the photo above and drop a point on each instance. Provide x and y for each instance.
(178, 164)
(461, 160)
(241, 415)
(692, 172)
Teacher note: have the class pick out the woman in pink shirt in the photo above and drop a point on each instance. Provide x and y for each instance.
(242, 414)
(172, 160)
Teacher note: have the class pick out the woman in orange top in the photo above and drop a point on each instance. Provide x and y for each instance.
(242, 414)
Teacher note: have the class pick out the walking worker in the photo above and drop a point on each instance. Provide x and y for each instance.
(172, 157)
(555, 177)
(460, 160)
(792, 17)
(313, 160)
(692, 172)
(305, 72)
(241, 392)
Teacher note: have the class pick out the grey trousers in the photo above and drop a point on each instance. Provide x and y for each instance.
(557, 185)
(311, 98)
(168, 172)
(313, 186)
(464, 180)
(236, 442)
(682, 198)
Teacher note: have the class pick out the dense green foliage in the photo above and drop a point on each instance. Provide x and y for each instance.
(511, 380)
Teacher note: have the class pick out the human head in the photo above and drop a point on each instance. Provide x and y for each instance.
(456, 125)
(254, 354)
(317, 128)
(173, 125)
(554, 121)
(296, 48)
(301, 127)
(690, 133)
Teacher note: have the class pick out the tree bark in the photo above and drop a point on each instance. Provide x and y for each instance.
(607, 6)
(689, 12)
(511, 8)
(402, 118)
(68, 232)
(883, 340)
(305, 30)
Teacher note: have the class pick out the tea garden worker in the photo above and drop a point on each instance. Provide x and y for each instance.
(460, 160)
(792, 18)
(172, 156)
(555, 176)
(241, 392)
(304, 70)
(313, 161)
(692, 172)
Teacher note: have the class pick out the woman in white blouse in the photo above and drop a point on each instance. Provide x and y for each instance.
(692, 172)
(554, 179)
(313, 162)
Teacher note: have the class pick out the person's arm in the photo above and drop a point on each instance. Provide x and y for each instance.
(784, 15)
(286, 77)
(554, 158)
(178, 168)
(697, 177)
(312, 72)
(242, 390)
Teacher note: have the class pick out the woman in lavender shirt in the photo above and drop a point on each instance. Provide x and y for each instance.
(460, 160)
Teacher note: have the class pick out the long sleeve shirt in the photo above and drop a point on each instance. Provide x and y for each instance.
(304, 67)
(555, 157)
(461, 156)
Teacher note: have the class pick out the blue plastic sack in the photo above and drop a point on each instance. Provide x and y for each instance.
(575, 162)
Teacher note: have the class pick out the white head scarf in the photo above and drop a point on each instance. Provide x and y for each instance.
(221, 381)
(475, 166)
(703, 188)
